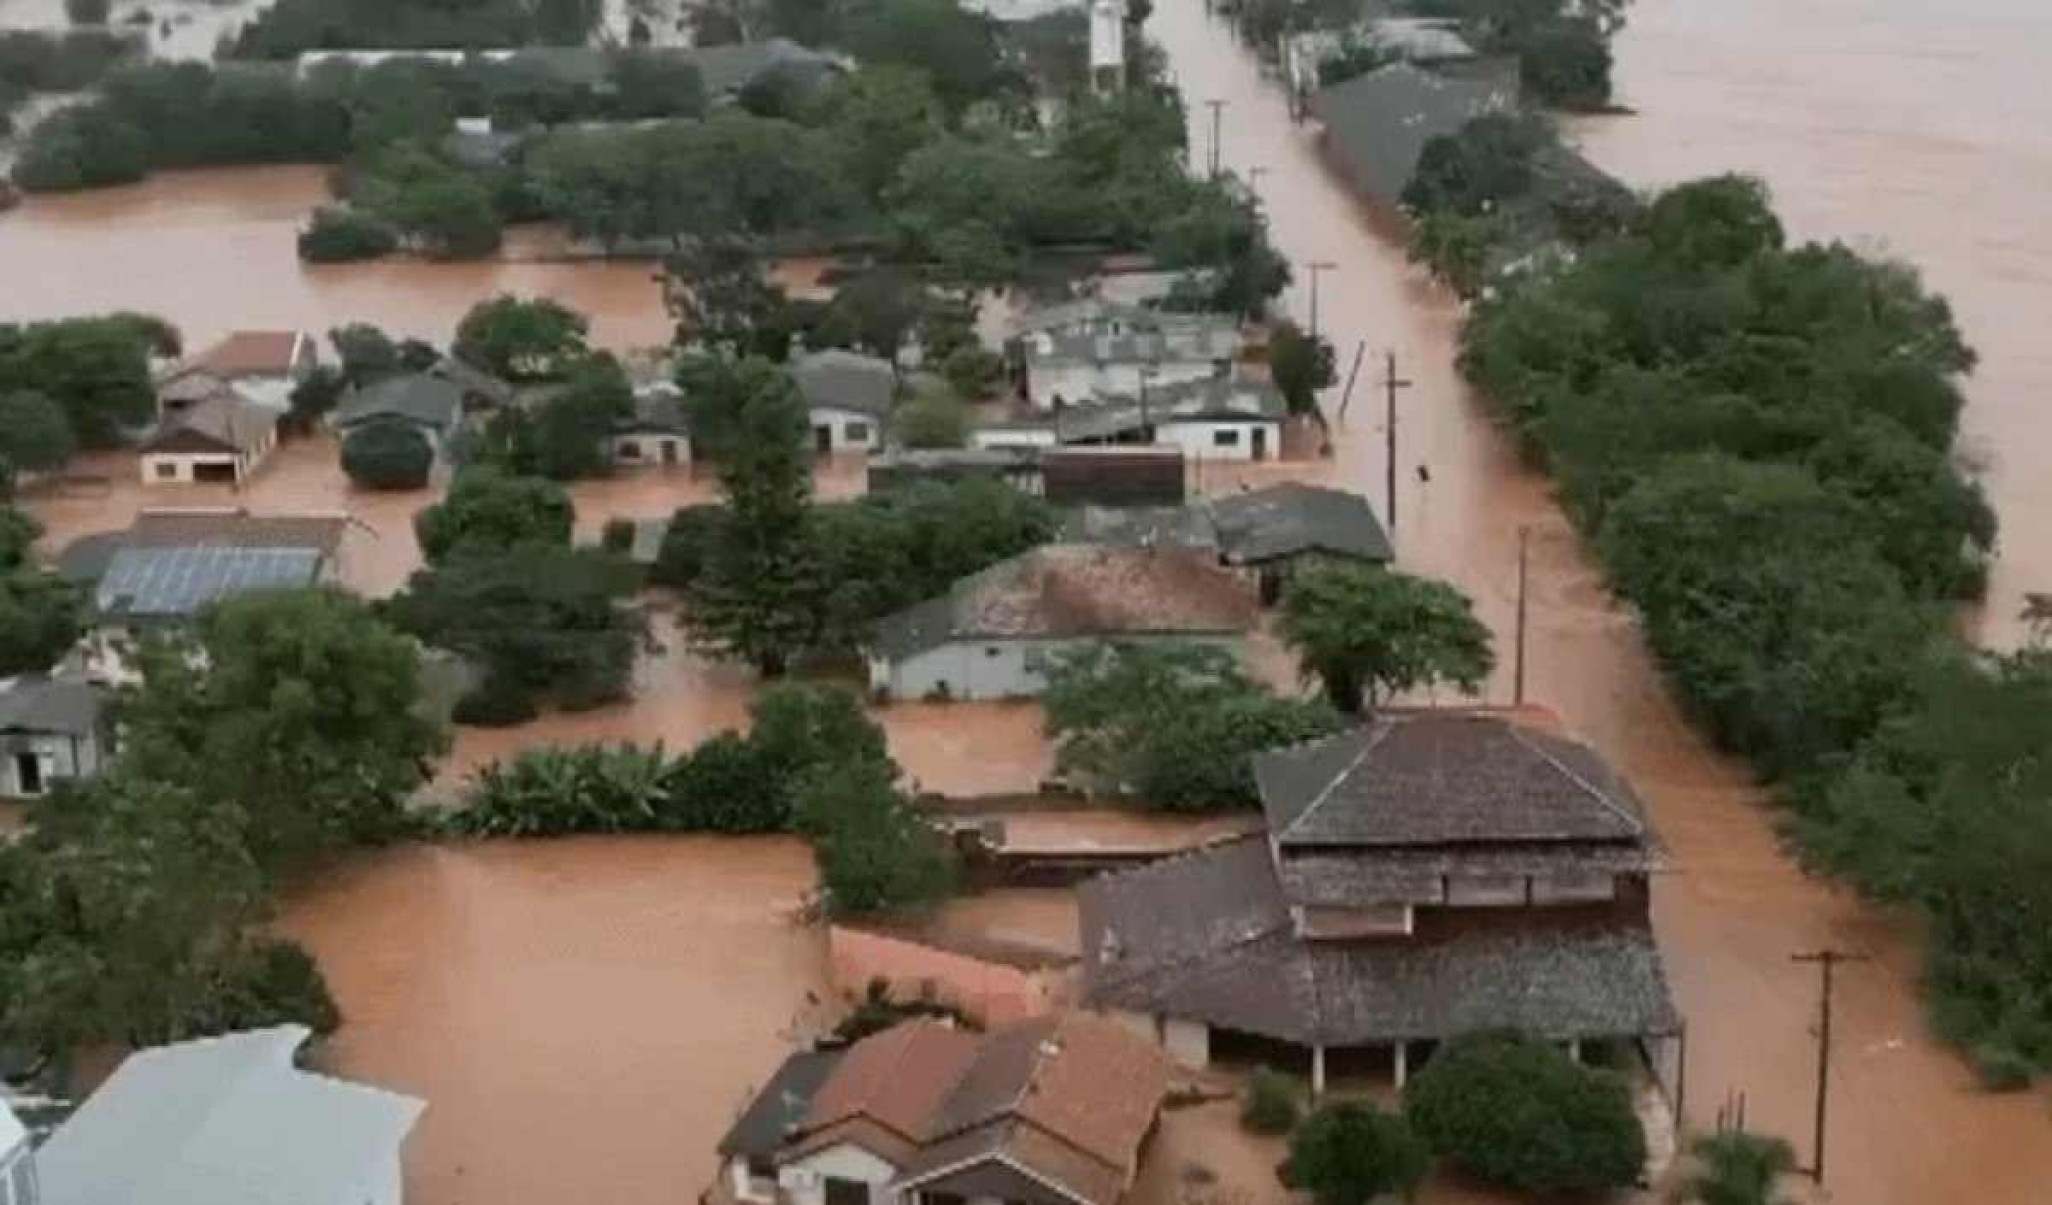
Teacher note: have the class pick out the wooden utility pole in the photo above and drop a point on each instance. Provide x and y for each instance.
(1217, 107)
(1347, 395)
(1518, 668)
(1391, 382)
(1827, 960)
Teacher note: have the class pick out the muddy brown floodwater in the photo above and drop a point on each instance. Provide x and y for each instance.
(1908, 1123)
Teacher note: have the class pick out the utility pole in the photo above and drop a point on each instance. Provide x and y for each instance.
(1827, 960)
(1217, 107)
(1391, 382)
(1314, 268)
(1347, 395)
(1518, 672)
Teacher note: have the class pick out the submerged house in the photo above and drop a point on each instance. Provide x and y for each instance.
(1429, 874)
(219, 1121)
(53, 730)
(1206, 418)
(1053, 1111)
(1378, 124)
(848, 396)
(263, 367)
(991, 635)
(430, 403)
(656, 432)
(219, 438)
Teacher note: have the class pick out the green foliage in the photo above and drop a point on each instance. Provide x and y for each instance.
(521, 339)
(284, 30)
(1271, 1104)
(1716, 222)
(1173, 725)
(1352, 1153)
(1365, 630)
(1486, 165)
(81, 146)
(488, 511)
(41, 618)
(973, 372)
(387, 456)
(1520, 1113)
(35, 432)
(931, 420)
(1455, 248)
(367, 353)
(337, 234)
(1300, 364)
(445, 215)
(87, 12)
(1733, 1167)
(1562, 46)
(956, 49)
(876, 853)
(19, 532)
(316, 395)
(574, 426)
(543, 622)
(688, 545)
(40, 60)
(97, 370)
(299, 709)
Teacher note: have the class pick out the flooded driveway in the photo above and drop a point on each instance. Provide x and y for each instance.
(1908, 1123)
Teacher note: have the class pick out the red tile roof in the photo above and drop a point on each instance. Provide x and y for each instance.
(248, 354)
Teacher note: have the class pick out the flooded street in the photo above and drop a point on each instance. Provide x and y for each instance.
(1908, 1123)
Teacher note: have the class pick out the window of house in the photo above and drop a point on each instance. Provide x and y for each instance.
(1227, 438)
(166, 470)
(629, 450)
(991, 650)
(858, 433)
(761, 1167)
(942, 1198)
(846, 1192)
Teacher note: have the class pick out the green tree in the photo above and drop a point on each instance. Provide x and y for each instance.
(1370, 631)
(299, 708)
(1352, 1153)
(931, 420)
(573, 428)
(1714, 222)
(688, 545)
(721, 299)
(35, 433)
(19, 532)
(486, 510)
(653, 84)
(1172, 725)
(447, 217)
(87, 12)
(956, 48)
(876, 853)
(1484, 166)
(335, 234)
(388, 456)
(1300, 365)
(81, 146)
(1737, 1168)
(521, 339)
(565, 22)
(41, 618)
(367, 353)
(759, 597)
(96, 369)
(1518, 1112)
(543, 622)
(316, 396)
(880, 114)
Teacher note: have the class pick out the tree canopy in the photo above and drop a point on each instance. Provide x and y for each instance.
(521, 339)
(96, 371)
(1373, 632)
(490, 511)
(35, 432)
(1352, 1153)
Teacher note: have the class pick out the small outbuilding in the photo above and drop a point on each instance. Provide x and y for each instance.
(848, 395)
(52, 730)
(657, 432)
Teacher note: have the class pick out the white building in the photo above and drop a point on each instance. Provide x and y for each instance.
(658, 433)
(225, 1120)
(1209, 418)
(262, 366)
(1108, 45)
(848, 396)
(219, 440)
(1116, 353)
(17, 1163)
(51, 731)
(991, 635)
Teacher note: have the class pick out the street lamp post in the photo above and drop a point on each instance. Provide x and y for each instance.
(1315, 267)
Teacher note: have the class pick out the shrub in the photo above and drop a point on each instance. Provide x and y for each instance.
(87, 12)
(548, 791)
(388, 456)
(727, 785)
(1270, 1105)
(875, 852)
(337, 235)
(973, 371)
(693, 533)
(1352, 1153)
(495, 704)
(1522, 1114)
(489, 510)
(931, 420)
(1737, 1168)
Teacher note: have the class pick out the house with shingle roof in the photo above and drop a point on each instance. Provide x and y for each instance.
(1376, 125)
(849, 397)
(1097, 352)
(1056, 1110)
(1429, 874)
(263, 366)
(992, 634)
(219, 439)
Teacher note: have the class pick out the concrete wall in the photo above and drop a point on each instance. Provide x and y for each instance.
(803, 1181)
(634, 451)
(60, 756)
(1199, 440)
(176, 468)
(991, 992)
(1187, 1042)
(996, 669)
(848, 430)
(387, 1186)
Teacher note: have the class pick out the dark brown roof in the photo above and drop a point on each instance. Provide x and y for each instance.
(1438, 777)
(248, 354)
(895, 1079)
(1079, 590)
(1353, 878)
(1209, 937)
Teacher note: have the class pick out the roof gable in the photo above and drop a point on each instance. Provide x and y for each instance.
(1441, 777)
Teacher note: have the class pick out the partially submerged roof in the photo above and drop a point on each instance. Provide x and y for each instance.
(1377, 124)
(1211, 399)
(1153, 338)
(1428, 777)
(41, 703)
(252, 354)
(86, 558)
(885, 1090)
(780, 1106)
(1209, 937)
(1077, 590)
(415, 397)
(224, 422)
(1291, 519)
(174, 583)
(224, 1121)
(656, 412)
(844, 380)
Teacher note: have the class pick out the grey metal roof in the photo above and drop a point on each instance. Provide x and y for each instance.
(1439, 777)
(1213, 399)
(416, 397)
(225, 421)
(1208, 936)
(225, 1121)
(780, 1106)
(1377, 124)
(1142, 527)
(162, 583)
(1154, 338)
(40, 703)
(1292, 518)
(472, 380)
(846, 380)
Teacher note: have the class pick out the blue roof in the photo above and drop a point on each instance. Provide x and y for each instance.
(178, 582)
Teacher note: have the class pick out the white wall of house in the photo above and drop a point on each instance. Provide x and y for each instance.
(57, 756)
(1187, 1042)
(1080, 382)
(847, 430)
(983, 669)
(746, 1187)
(653, 449)
(1012, 437)
(385, 1185)
(803, 1181)
(181, 468)
(1221, 440)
